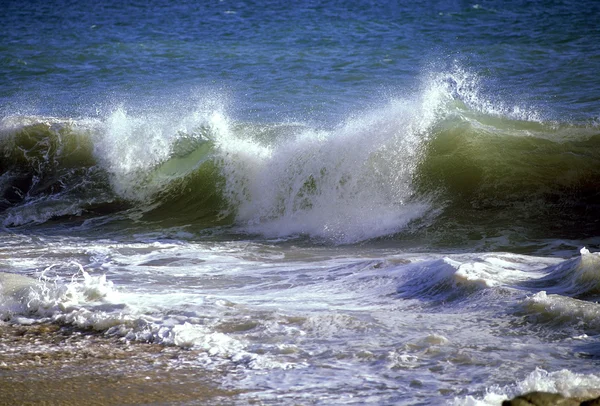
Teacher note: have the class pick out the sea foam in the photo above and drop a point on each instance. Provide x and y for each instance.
(569, 384)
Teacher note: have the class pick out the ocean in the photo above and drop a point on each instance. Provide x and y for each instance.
(310, 203)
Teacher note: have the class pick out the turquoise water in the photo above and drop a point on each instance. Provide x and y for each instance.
(398, 193)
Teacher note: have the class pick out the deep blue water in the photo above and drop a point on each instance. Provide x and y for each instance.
(302, 60)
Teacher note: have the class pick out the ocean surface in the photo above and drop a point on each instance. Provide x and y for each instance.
(345, 202)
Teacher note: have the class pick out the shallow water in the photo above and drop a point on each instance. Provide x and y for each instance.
(275, 321)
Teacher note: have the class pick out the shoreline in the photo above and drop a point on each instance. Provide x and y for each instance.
(53, 365)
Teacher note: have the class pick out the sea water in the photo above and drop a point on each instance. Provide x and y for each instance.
(311, 203)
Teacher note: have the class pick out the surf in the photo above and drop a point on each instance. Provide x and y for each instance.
(443, 160)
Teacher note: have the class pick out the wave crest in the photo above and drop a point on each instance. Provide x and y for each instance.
(446, 163)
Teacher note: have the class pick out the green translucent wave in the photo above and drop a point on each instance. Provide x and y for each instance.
(481, 175)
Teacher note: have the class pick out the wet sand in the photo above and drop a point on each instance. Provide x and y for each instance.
(52, 365)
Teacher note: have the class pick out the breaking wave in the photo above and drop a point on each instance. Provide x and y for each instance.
(444, 158)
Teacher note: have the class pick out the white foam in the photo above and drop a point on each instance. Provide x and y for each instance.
(565, 382)
(352, 182)
(463, 85)
(480, 271)
(53, 296)
(490, 270)
(53, 299)
(347, 184)
(88, 300)
(576, 276)
(565, 308)
(130, 145)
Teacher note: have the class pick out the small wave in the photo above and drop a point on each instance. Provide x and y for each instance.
(577, 277)
(563, 310)
(569, 384)
(443, 280)
(457, 276)
(567, 294)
